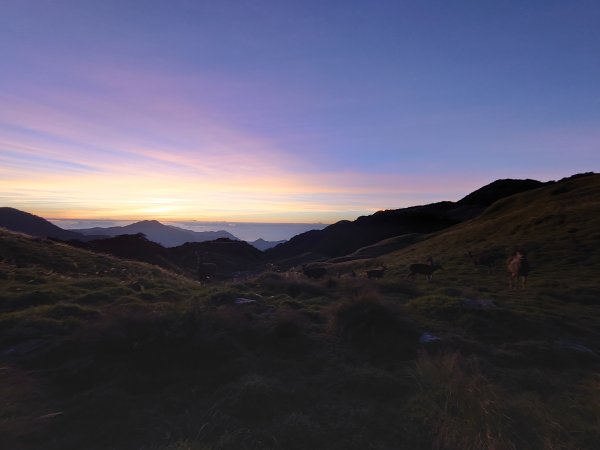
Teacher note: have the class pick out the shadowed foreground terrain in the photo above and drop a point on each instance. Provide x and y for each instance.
(99, 352)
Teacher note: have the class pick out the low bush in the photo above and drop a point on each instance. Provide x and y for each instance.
(380, 327)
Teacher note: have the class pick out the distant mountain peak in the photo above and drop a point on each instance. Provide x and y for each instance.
(498, 189)
(154, 223)
(166, 235)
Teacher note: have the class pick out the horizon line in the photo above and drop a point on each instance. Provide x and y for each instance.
(187, 220)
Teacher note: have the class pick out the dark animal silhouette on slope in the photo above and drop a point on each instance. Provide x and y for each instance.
(424, 269)
(482, 259)
(314, 272)
(207, 271)
(518, 269)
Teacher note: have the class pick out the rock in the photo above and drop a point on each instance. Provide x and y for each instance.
(479, 304)
(568, 345)
(243, 301)
(426, 338)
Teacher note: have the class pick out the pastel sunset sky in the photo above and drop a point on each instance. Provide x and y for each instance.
(288, 111)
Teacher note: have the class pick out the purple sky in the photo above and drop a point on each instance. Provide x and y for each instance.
(286, 110)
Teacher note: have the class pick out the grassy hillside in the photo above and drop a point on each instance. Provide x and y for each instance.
(97, 352)
(344, 237)
(558, 226)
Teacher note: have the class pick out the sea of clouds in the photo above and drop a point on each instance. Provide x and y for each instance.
(243, 230)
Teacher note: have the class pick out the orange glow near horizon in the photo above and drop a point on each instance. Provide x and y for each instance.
(265, 197)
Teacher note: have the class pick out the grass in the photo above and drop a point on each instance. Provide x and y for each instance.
(97, 352)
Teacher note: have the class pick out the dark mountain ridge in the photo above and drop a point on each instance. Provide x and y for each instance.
(498, 189)
(345, 237)
(23, 222)
(230, 256)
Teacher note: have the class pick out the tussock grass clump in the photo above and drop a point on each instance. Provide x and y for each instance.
(441, 306)
(25, 408)
(257, 398)
(289, 323)
(298, 431)
(459, 405)
(296, 287)
(224, 295)
(371, 383)
(381, 327)
(32, 298)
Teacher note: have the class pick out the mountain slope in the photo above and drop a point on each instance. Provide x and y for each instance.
(229, 255)
(346, 237)
(23, 222)
(557, 225)
(492, 192)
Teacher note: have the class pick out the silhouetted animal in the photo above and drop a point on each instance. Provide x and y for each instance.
(482, 259)
(207, 271)
(518, 268)
(376, 273)
(423, 269)
(314, 272)
(270, 267)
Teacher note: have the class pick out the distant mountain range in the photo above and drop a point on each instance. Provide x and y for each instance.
(263, 245)
(165, 235)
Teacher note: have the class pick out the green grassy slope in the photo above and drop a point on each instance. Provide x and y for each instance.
(49, 289)
(97, 352)
(558, 226)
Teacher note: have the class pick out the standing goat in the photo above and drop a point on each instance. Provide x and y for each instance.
(376, 273)
(207, 271)
(482, 259)
(518, 268)
(314, 272)
(423, 269)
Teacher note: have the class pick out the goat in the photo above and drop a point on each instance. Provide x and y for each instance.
(482, 259)
(518, 268)
(424, 269)
(376, 273)
(207, 271)
(314, 272)
(270, 267)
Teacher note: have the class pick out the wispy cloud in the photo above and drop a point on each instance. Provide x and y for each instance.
(135, 146)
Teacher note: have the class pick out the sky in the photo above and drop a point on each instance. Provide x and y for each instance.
(288, 111)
